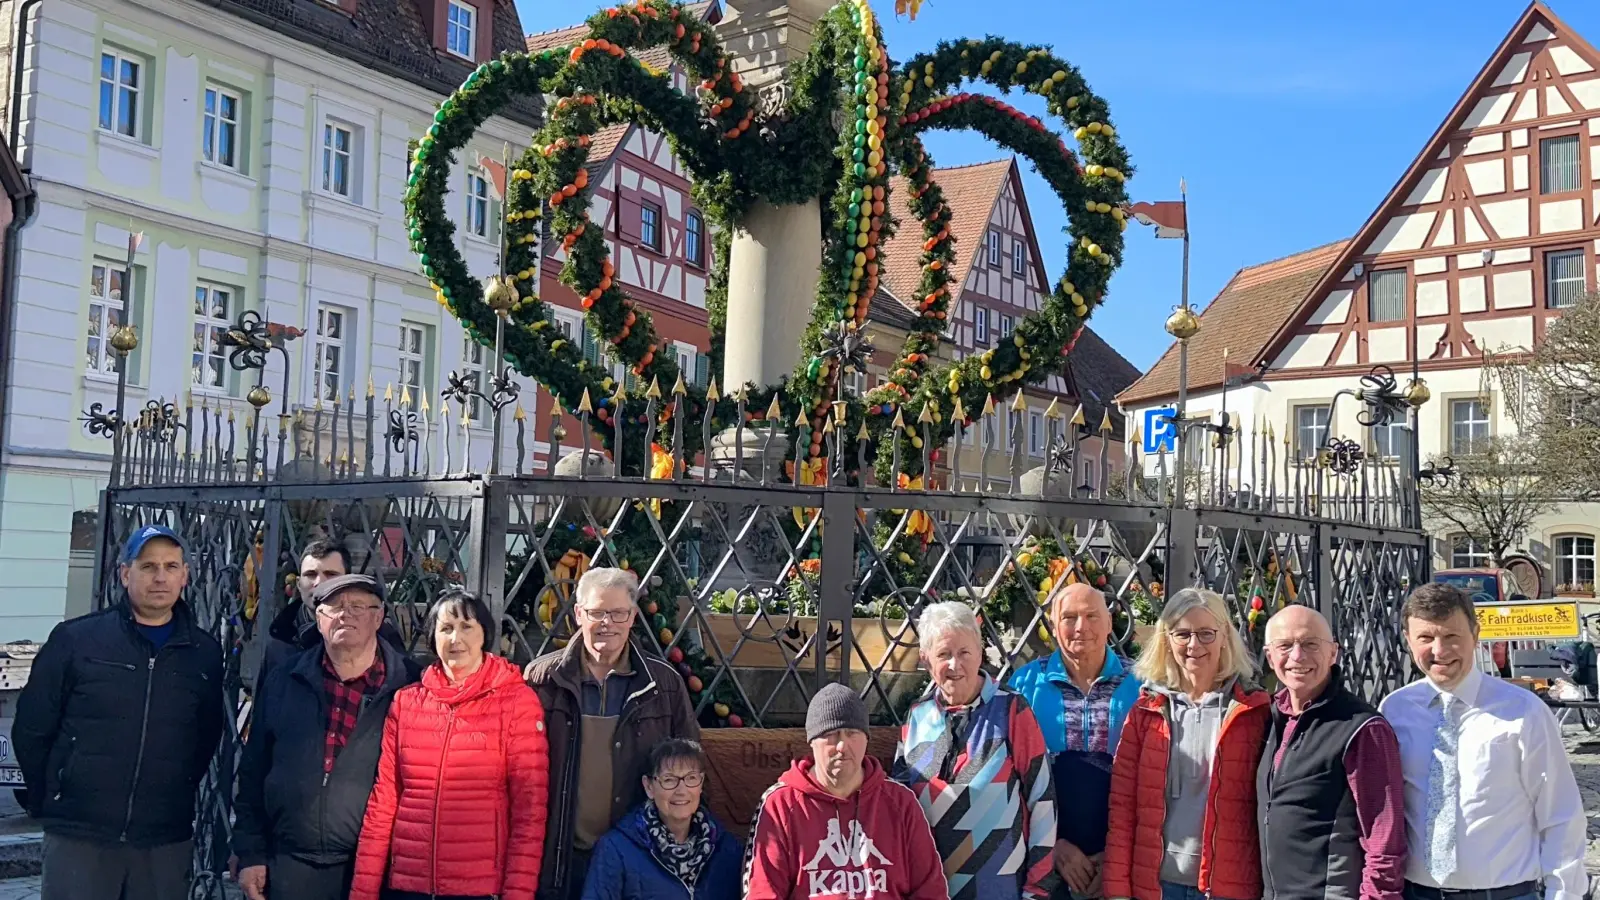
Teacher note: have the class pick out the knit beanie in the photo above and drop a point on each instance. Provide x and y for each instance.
(835, 706)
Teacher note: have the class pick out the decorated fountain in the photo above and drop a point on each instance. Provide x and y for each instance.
(791, 135)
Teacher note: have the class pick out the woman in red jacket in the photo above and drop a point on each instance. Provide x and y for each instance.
(1183, 787)
(459, 807)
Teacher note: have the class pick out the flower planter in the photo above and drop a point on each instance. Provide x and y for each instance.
(776, 639)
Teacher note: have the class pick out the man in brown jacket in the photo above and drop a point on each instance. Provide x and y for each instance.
(605, 704)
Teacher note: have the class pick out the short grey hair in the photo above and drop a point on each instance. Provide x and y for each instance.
(939, 619)
(596, 581)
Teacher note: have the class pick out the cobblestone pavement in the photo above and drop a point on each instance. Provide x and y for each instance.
(1584, 751)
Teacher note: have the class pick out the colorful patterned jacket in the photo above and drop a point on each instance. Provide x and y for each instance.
(985, 787)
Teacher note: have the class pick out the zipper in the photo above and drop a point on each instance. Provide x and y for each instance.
(144, 731)
(567, 813)
(111, 662)
(674, 872)
(438, 792)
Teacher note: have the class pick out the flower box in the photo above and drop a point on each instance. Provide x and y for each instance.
(776, 639)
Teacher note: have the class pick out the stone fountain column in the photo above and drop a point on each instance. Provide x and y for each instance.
(772, 270)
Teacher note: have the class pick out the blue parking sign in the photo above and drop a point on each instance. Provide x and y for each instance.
(1160, 431)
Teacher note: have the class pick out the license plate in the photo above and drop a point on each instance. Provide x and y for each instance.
(11, 776)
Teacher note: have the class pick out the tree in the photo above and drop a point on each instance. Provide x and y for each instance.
(1497, 492)
(1554, 397)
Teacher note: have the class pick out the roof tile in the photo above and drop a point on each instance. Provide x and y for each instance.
(971, 192)
(1241, 320)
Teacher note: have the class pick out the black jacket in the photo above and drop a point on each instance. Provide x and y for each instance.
(286, 805)
(293, 629)
(114, 736)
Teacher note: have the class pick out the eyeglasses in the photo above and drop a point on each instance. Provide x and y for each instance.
(671, 782)
(614, 616)
(1308, 647)
(1204, 636)
(334, 612)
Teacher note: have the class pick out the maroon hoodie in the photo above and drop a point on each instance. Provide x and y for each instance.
(872, 845)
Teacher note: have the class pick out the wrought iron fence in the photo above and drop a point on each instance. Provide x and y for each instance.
(763, 572)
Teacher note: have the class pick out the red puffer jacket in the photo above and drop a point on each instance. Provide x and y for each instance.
(461, 798)
(1230, 851)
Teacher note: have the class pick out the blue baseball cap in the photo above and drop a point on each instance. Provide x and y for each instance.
(136, 542)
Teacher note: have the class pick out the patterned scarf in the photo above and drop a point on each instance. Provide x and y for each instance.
(685, 860)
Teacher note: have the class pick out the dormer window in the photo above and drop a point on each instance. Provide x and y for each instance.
(461, 30)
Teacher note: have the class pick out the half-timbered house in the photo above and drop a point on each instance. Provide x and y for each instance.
(659, 241)
(1484, 240)
(1002, 278)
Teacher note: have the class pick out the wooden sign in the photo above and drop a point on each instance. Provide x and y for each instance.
(746, 761)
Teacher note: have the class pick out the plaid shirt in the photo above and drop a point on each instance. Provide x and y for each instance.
(344, 704)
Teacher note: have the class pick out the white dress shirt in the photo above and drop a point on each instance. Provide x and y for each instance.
(1520, 817)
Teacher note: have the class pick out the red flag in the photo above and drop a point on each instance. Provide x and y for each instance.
(497, 176)
(1170, 217)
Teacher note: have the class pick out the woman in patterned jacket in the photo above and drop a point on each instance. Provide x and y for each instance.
(973, 754)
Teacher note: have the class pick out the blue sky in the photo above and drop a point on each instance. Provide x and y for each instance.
(1290, 121)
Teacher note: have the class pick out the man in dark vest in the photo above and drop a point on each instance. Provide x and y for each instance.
(1329, 794)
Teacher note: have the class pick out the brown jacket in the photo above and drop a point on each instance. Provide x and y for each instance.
(657, 711)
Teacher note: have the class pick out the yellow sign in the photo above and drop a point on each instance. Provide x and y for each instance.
(1527, 621)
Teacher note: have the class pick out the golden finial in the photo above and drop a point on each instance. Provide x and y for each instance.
(800, 419)
(654, 393)
(519, 415)
(1078, 418)
(405, 395)
(1053, 411)
(388, 393)
(899, 417)
(774, 412)
(1105, 420)
(712, 395)
(1018, 404)
(584, 405)
(988, 405)
(679, 388)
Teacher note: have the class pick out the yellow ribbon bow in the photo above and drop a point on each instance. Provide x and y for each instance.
(920, 524)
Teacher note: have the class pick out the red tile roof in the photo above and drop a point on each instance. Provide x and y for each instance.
(1241, 320)
(971, 192)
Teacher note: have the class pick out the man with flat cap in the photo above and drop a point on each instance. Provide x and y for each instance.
(313, 751)
(116, 728)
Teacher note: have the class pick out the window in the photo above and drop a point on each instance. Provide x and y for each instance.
(1089, 466)
(121, 80)
(338, 143)
(477, 204)
(472, 370)
(1469, 426)
(1558, 164)
(1310, 430)
(219, 142)
(1563, 278)
(685, 355)
(1006, 325)
(108, 296)
(994, 249)
(650, 226)
(1386, 295)
(1390, 441)
(1013, 432)
(329, 363)
(213, 316)
(460, 30)
(1575, 561)
(1035, 433)
(1018, 257)
(1467, 553)
(980, 325)
(413, 360)
(694, 246)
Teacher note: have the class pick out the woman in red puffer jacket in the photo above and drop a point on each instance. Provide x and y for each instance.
(459, 807)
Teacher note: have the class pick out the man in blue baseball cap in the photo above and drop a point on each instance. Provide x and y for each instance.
(116, 728)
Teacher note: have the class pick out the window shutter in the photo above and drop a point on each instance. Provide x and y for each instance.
(591, 347)
(702, 369)
(497, 219)
(628, 211)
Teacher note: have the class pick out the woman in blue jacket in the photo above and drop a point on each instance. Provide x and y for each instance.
(669, 846)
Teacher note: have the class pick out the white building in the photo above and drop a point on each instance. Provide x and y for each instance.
(260, 147)
(1493, 229)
